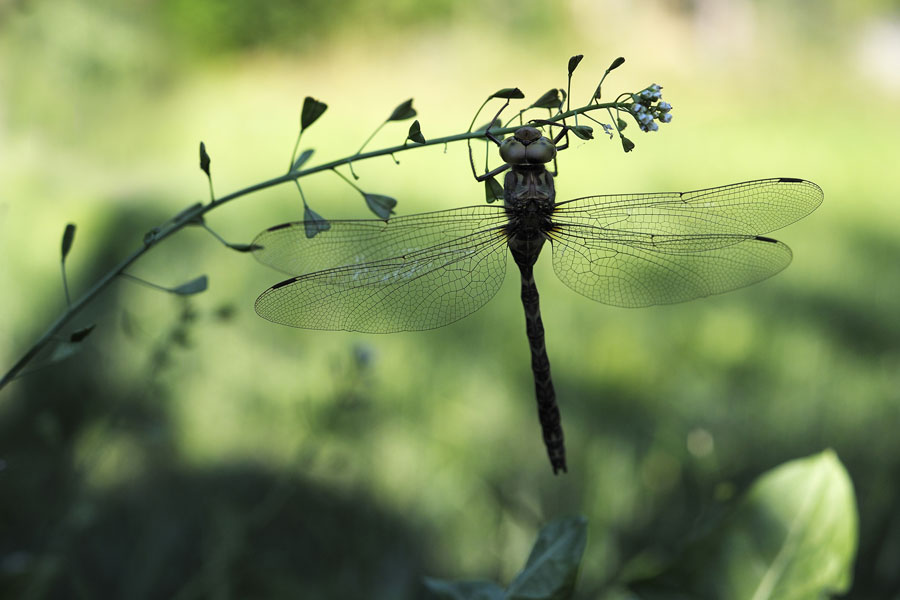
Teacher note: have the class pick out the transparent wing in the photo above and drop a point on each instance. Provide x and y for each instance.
(419, 290)
(748, 208)
(662, 269)
(644, 249)
(286, 248)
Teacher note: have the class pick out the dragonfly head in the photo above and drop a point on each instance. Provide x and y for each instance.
(527, 147)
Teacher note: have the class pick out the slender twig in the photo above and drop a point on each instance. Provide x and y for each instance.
(344, 177)
(193, 214)
(149, 284)
(66, 284)
(300, 189)
(294, 153)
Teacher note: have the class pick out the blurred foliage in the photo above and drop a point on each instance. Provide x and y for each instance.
(792, 536)
(192, 450)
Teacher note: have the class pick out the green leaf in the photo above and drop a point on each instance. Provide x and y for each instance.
(64, 350)
(312, 110)
(573, 63)
(583, 131)
(194, 286)
(73, 346)
(508, 94)
(67, 239)
(627, 144)
(793, 536)
(550, 99)
(493, 191)
(314, 223)
(463, 590)
(204, 159)
(304, 156)
(403, 112)
(616, 64)
(552, 566)
(382, 206)
(415, 133)
(78, 336)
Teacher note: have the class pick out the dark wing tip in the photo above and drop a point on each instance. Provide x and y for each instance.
(762, 238)
(284, 283)
(282, 226)
(817, 195)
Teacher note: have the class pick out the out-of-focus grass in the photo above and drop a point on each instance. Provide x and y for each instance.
(667, 410)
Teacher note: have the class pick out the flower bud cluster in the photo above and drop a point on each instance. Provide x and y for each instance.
(647, 108)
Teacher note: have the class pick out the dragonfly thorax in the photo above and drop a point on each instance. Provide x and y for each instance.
(527, 147)
(529, 196)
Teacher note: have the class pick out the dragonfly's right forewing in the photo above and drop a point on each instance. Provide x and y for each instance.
(747, 208)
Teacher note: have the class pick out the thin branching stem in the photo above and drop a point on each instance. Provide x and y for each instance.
(294, 153)
(193, 214)
(66, 284)
(350, 183)
(144, 282)
(302, 196)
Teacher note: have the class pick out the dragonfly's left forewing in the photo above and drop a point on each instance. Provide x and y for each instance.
(347, 242)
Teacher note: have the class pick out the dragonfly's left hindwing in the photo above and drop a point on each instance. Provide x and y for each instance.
(423, 289)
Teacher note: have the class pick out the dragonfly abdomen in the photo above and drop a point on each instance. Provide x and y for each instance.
(548, 410)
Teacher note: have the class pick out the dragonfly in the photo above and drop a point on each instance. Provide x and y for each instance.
(423, 271)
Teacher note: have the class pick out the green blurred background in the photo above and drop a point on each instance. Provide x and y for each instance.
(193, 450)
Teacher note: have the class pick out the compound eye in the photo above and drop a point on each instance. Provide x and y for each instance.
(540, 151)
(512, 151)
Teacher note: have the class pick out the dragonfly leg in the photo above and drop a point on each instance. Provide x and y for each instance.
(487, 131)
(484, 176)
(564, 132)
(560, 135)
(493, 138)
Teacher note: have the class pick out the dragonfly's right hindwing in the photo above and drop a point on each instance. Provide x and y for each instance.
(664, 271)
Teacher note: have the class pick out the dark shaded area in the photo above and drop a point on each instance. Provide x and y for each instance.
(239, 530)
(168, 530)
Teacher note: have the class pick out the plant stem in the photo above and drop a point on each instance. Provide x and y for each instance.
(192, 214)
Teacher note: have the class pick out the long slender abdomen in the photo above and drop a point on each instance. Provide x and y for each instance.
(548, 411)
